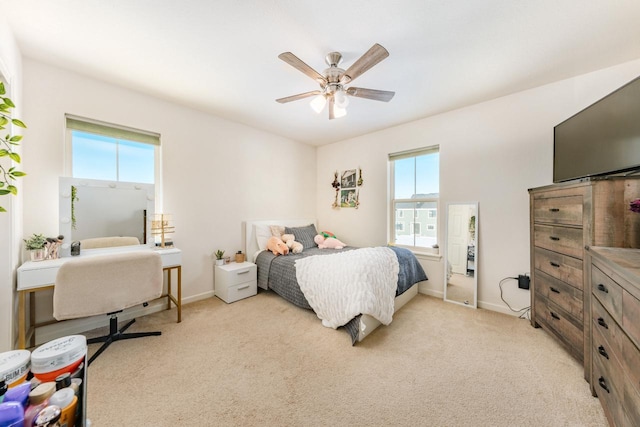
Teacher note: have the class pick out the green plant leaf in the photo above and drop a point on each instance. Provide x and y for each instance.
(12, 189)
(4, 107)
(15, 157)
(4, 192)
(3, 121)
(18, 123)
(2, 209)
(2, 89)
(9, 102)
(18, 174)
(15, 138)
(4, 153)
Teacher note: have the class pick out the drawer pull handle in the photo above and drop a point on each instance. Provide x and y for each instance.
(554, 290)
(243, 287)
(603, 384)
(603, 352)
(554, 210)
(603, 288)
(602, 323)
(553, 264)
(242, 272)
(555, 316)
(554, 238)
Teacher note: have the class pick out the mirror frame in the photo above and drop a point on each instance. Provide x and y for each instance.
(64, 191)
(474, 303)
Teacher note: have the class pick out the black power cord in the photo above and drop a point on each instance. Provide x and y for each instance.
(524, 312)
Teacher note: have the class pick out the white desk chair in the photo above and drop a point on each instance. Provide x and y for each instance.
(107, 284)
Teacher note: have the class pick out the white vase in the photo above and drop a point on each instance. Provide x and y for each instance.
(38, 254)
(220, 262)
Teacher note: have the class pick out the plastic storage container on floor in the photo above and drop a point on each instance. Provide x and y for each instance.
(57, 357)
(14, 366)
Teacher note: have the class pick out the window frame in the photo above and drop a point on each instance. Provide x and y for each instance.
(97, 127)
(392, 202)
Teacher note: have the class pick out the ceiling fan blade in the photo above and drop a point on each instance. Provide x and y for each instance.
(374, 55)
(298, 96)
(377, 95)
(297, 63)
(331, 105)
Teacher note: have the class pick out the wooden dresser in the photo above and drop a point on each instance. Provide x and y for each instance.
(564, 219)
(615, 325)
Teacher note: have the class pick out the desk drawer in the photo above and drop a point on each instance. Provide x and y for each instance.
(564, 240)
(237, 292)
(558, 210)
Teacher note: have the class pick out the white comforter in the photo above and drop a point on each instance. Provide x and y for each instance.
(343, 285)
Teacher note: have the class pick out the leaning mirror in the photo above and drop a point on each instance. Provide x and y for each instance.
(461, 254)
(94, 208)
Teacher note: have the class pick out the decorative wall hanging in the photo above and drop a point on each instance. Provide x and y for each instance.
(347, 189)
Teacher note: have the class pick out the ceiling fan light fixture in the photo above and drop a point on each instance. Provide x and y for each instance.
(341, 99)
(317, 103)
(339, 112)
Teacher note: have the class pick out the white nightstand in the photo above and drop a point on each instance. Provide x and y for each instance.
(235, 281)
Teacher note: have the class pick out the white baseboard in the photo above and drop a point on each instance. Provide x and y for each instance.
(481, 304)
(72, 327)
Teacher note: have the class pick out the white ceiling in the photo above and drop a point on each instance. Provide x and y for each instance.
(221, 56)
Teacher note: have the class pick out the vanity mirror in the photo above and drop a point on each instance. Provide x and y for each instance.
(461, 254)
(94, 208)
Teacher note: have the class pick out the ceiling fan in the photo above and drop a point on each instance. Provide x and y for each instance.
(333, 80)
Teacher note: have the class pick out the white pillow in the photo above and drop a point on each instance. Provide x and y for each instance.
(263, 233)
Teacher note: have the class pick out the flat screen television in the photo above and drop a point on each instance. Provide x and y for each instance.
(602, 139)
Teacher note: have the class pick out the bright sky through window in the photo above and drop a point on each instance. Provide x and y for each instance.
(108, 158)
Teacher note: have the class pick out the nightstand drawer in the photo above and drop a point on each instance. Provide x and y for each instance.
(237, 292)
(232, 274)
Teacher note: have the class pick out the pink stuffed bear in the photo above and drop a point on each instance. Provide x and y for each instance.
(328, 243)
(277, 246)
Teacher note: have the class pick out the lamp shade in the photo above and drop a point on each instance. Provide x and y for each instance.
(318, 103)
(341, 99)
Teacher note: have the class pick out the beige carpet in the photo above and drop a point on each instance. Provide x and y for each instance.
(264, 362)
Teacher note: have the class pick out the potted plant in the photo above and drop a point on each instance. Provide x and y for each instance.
(219, 254)
(8, 143)
(36, 247)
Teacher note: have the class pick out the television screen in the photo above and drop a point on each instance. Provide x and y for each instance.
(602, 139)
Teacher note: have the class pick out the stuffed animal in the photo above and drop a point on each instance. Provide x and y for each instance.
(290, 241)
(328, 243)
(277, 246)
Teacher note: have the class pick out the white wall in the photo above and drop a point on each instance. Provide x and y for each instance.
(10, 221)
(491, 152)
(216, 173)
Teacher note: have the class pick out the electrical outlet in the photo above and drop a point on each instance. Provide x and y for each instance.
(523, 281)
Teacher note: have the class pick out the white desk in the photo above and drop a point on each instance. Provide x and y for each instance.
(34, 276)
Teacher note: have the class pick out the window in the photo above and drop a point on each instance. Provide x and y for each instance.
(111, 152)
(415, 186)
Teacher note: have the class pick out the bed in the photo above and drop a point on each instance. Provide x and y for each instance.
(279, 273)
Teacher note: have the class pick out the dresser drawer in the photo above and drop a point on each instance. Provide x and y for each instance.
(564, 240)
(632, 404)
(631, 317)
(608, 292)
(237, 292)
(608, 329)
(631, 363)
(558, 210)
(232, 274)
(563, 267)
(567, 297)
(608, 391)
(562, 325)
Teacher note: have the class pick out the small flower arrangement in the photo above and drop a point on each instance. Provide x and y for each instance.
(634, 206)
